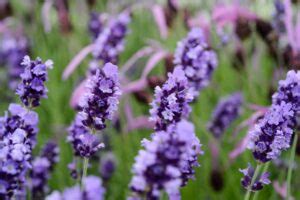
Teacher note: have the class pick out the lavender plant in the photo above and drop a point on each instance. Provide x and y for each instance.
(170, 102)
(18, 130)
(273, 133)
(97, 105)
(167, 162)
(197, 60)
(227, 110)
(110, 42)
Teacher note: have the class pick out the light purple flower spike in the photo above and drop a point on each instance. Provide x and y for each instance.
(273, 133)
(170, 104)
(167, 162)
(197, 60)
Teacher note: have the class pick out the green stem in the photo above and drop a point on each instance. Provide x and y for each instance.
(290, 170)
(84, 171)
(256, 172)
(266, 167)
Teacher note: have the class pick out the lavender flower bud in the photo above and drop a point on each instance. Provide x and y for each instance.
(273, 133)
(12, 51)
(197, 60)
(101, 101)
(259, 182)
(110, 42)
(167, 161)
(95, 25)
(32, 88)
(92, 190)
(107, 165)
(227, 110)
(85, 144)
(42, 167)
(170, 102)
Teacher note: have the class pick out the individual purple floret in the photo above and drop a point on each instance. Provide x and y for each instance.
(12, 51)
(92, 190)
(101, 101)
(197, 60)
(32, 88)
(42, 166)
(85, 144)
(95, 25)
(18, 129)
(107, 165)
(274, 131)
(259, 182)
(110, 43)
(167, 162)
(170, 102)
(227, 110)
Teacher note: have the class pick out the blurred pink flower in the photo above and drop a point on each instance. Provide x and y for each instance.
(160, 20)
(226, 14)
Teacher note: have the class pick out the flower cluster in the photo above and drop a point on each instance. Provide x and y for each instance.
(170, 104)
(32, 88)
(95, 25)
(258, 183)
(41, 168)
(227, 110)
(92, 190)
(12, 51)
(110, 42)
(274, 131)
(85, 144)
(107, 165)
(167, 161)
(101, 101)
(196, 59)
(98, 104)
(18, 129)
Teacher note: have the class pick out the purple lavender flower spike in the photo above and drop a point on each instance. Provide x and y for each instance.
(273, 133)
(85, 144)
(227, 110)
(12, 51)
(167, 161)
(32, 88)
(278, 17)
(107, 165)
(92, 190)
(42, 166)
(95, 25)
(260, 181)
(197, 60)
(110, 42)
(170, 104)
(101, 101)
(18, 129)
